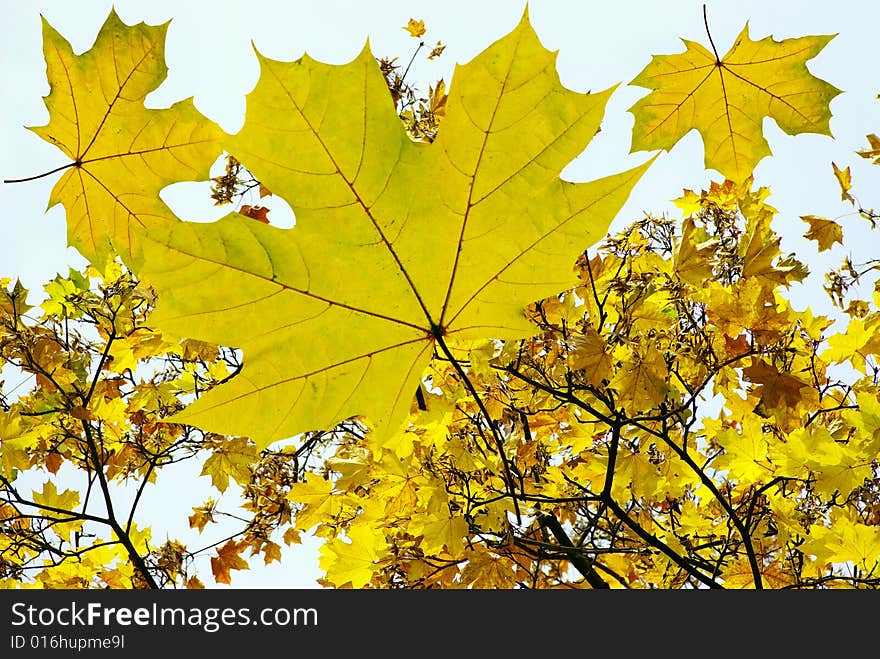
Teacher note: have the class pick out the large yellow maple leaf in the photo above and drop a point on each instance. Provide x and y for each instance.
(123, 153)
(726, 99)
(398, 245)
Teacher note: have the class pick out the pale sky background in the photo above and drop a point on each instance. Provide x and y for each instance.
(600, 44)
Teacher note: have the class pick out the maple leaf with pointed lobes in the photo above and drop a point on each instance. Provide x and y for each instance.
(351, 562)
(123, 153)
(824, 231)
(590, 354)
(397, 244)
(318, 498)
(641, 381)
(691, 254)
(233, 457)
(727, 99)
(776, 388)
(228, 558)
(415, 28)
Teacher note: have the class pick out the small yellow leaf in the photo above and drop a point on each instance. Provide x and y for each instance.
(590, 354)
(67, 500)
(292, 536)
(124, 153)
(415, 28)
(202, 516)
(823, 231)
(448, 532)
(739, 575)
(691, 254)
(234, 458)
(353, 561)
(436, 51)
(689, 203)
(874, 151)
(319, 501)
(641, 381)
(271, 552)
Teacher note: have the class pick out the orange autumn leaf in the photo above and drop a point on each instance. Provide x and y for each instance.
(228, 558)
(258, 213)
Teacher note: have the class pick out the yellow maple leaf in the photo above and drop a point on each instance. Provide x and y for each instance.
(123, 154)
(866, 420)
(139, 538)
(834, 467)
(353, 464)
(60, 506)
(759, 249)
(233, 457)
(860, 340)
(55, 502)
(271, 552)
(194, 583)
(746, 453)
(320, 502)
(436, 51)
(447, 237)
(776, 388)
(726, 99)
(415, 28)
(445, 532)
(634, 475)
(641, 381)
(590, 354)
(485, 569)
(824, 231)
(690, 203)
(202, 515)
(747, 305)
(353, 561)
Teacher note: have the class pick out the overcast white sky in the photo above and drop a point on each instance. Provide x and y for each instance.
(600, 44)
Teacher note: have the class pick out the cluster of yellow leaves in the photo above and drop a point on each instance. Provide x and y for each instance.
(612, 404)
(94, 385)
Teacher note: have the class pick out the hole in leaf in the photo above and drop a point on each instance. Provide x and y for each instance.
(196, 201)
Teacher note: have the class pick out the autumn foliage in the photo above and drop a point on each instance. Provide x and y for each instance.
(448, 369)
